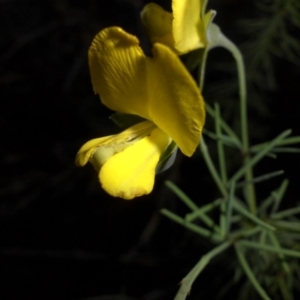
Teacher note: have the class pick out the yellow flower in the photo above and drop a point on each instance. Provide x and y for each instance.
(183, 30)
(158, 89)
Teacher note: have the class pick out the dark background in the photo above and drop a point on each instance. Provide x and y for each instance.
(61, 236)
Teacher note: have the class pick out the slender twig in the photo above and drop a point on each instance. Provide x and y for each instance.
(186, 283)
(249, 273)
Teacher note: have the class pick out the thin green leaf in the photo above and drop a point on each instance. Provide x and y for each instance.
(259, 155)
(212, 168)
(229, 208)
(286, 150)
(251, 216)
(261, 178)
(227, 140)
(262, 240)
(181, 195)
(286, 213)
(266, 203)
(286, 225)
(224, 125)
(195, 228)
(277, 245)
(278, 195)
(283, 251)
(287, 141)
(207, 221)
(203, 210)
(242, 233)
(222, 218)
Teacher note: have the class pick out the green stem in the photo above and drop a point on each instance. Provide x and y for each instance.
(216, 38)
(250, 190)
(221, 154)
(187, 281)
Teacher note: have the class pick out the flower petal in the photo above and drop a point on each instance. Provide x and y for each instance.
(176, 105)
(118, 71)
(130, 173)
(159, 89)
(117, 141)
(158, 24)
(188, 28)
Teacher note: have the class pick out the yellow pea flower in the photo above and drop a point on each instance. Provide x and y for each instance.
(183, 30)
(158, 89)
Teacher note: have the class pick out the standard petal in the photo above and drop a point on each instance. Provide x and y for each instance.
(131, 173)
(118, 71)
(188, 29)
(117, 141)
(158, 24)
(176, 105)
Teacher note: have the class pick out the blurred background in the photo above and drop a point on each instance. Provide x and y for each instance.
(61, 236)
